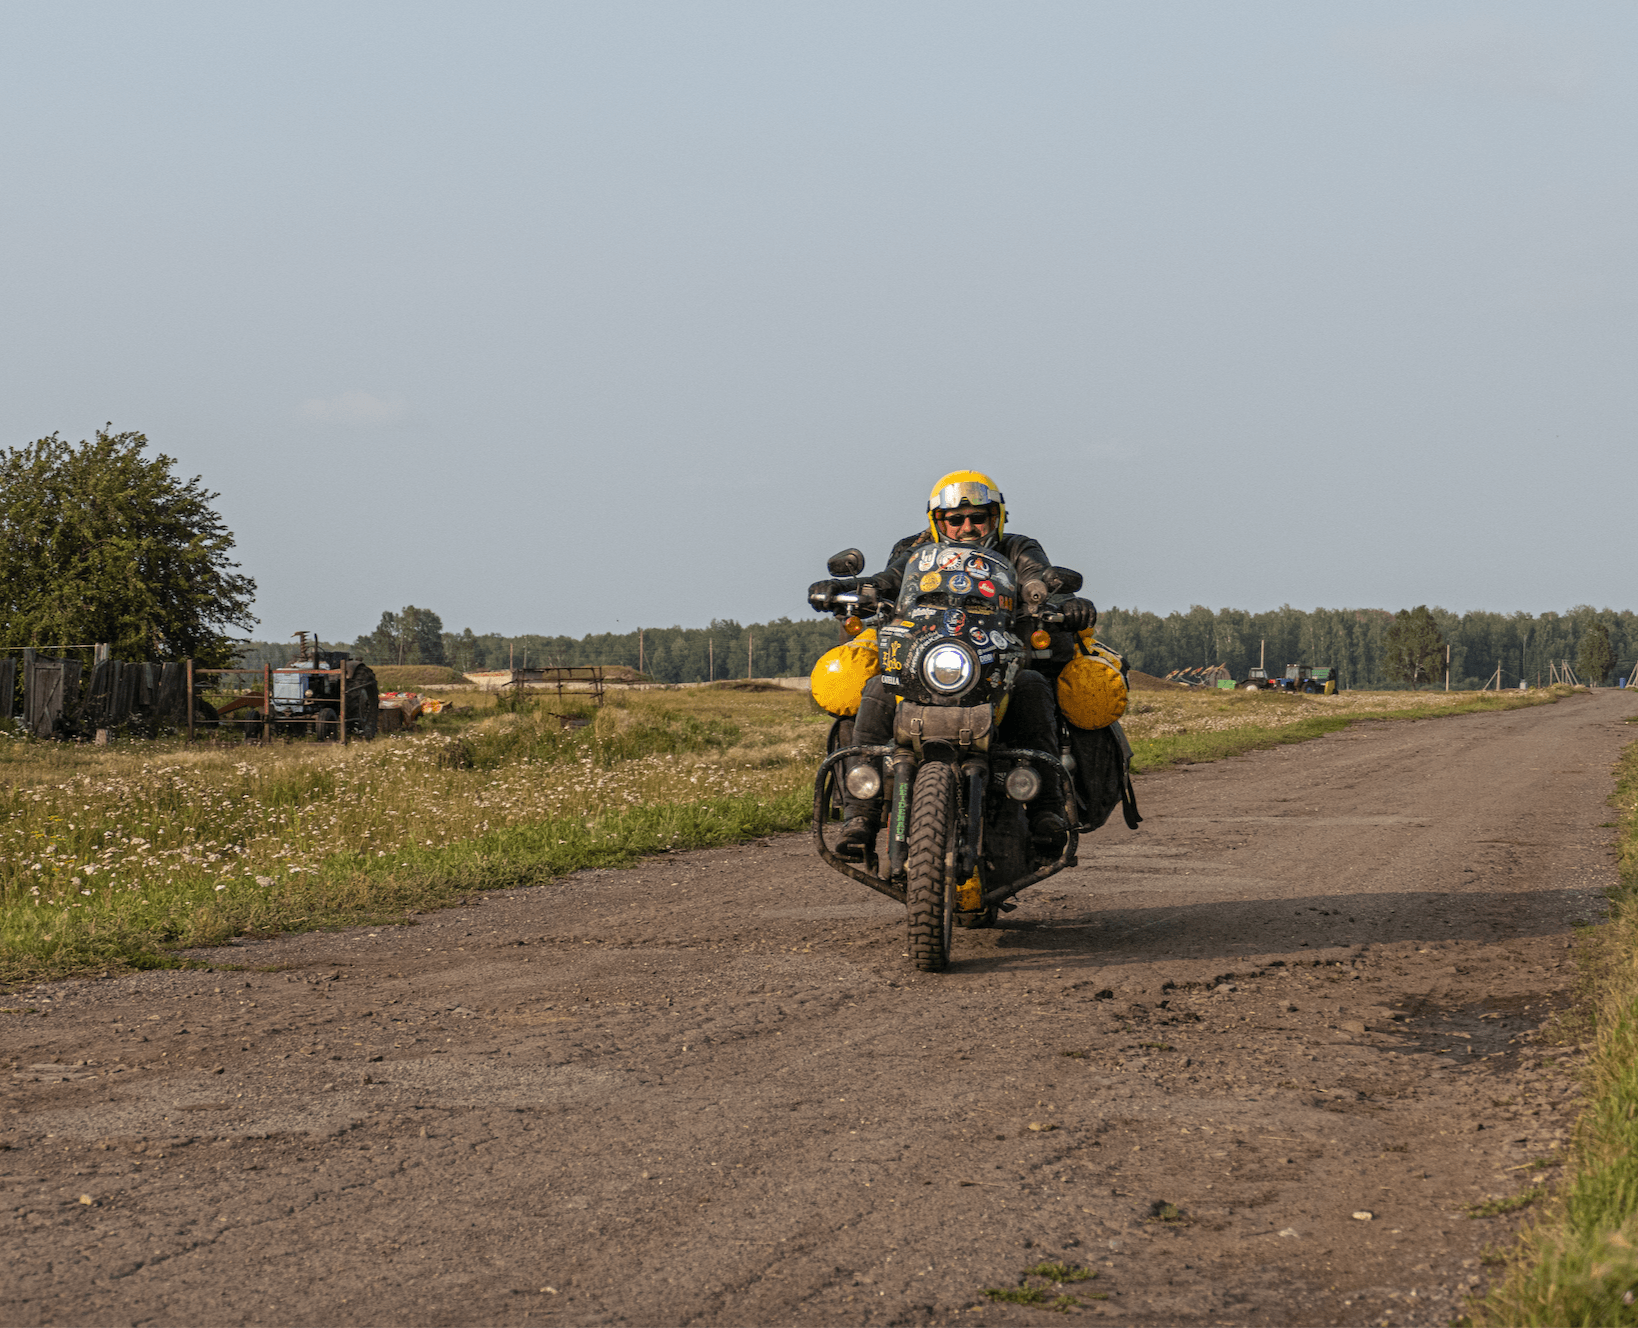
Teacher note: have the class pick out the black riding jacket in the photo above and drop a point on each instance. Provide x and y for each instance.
(1024, 553)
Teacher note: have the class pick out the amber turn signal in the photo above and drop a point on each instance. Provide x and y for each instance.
(853, 626)
(1040, 640)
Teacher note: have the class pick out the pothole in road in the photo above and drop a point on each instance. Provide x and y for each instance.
(1491, 1030)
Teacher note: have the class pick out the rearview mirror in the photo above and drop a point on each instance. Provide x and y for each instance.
(849, 562)
(1066, 581)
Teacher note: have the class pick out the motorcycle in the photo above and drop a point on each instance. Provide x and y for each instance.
(949, 650)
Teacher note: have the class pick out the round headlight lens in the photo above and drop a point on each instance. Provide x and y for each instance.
(864, 781)
(948, 669)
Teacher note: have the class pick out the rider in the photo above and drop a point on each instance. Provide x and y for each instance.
(966, 507)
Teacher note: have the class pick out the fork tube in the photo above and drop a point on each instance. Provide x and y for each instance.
(904, 780)
(977, 774)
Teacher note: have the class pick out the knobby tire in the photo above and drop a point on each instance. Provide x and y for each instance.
(931, 804)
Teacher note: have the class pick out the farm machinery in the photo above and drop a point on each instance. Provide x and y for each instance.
(322, 691)
(1311, 678)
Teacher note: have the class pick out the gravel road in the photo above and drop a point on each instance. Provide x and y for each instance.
(1314, 984)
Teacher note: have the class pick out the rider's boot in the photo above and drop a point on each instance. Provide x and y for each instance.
(864, 822)
(873, 727)
(1048, 831)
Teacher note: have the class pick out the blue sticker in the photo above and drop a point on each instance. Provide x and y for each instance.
(960, 583)
(977, 566)
(955, 622)
(981, 638)
(986, 657)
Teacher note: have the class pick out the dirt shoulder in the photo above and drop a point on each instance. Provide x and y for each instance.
(707, 1089)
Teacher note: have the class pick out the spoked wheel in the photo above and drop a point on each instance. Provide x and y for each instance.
(931, 823)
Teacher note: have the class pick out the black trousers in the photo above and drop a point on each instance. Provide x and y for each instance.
(1031, 721)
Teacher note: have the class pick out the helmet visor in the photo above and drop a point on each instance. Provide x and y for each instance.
(968, 491)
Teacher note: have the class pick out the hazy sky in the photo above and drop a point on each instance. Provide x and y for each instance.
(567, 318)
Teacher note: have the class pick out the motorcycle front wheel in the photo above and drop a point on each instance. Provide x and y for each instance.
(932, 803)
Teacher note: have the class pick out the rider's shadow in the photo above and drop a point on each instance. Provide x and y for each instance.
(1093, 938)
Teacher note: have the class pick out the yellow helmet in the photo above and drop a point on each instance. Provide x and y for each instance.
(966, 488)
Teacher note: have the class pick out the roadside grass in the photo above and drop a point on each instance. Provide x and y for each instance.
(1201, 724)
(1056, 1275)
(118, 856)
(1579, 1263)
(115, 856)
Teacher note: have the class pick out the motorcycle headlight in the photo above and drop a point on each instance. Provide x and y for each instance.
(948, 669)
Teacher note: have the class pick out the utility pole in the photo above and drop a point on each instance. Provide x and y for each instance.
(640, 668)
(1447, 666)
(710, 659)
(748, 646)
(1262, 654)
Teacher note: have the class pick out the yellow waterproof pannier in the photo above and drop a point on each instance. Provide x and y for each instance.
(840, 675)
(1091, 691)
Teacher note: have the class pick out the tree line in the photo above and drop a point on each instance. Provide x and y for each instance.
(1358, 641)
(1362, 643)
(101, 542)
(725, 649)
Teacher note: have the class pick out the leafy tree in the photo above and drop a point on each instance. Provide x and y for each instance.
(1413, 648)
(1596, 656)
(101, 543)
(410, 636)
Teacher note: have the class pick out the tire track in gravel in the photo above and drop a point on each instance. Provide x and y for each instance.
(708, 1090)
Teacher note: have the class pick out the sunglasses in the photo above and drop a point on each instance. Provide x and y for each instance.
(956, 520)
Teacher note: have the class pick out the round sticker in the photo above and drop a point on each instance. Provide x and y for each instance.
(955, 622)
(961, 583)
(987, 589)
(930, 581)
(950, 558)
(981, 638)
(977, 566)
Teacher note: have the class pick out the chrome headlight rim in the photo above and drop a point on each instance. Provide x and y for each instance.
(946, 653)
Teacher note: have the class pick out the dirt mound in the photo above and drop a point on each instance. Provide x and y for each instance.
(409, 677)
(747, 685)
(1147, 682)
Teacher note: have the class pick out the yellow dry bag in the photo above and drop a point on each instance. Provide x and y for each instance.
(840, 675)
(1091, 691)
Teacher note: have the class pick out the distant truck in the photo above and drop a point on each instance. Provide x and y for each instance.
(1258, 680)
(1311, 678)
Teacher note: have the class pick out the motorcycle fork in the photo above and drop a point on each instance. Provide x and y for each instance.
(904, 781)
(965, 881)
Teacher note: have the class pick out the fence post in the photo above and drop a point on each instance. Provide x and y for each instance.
(267, 703)
(343, 703)
(28, 688)
(190, 700)
(100, 654)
